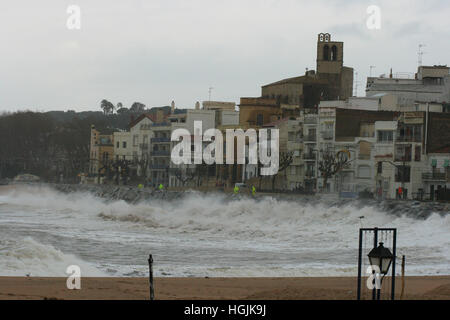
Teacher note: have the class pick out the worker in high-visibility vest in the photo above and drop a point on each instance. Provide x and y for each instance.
(236, 190)
(140, 186)
(253, 190)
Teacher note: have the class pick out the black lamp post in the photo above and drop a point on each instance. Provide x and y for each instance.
(381, 257)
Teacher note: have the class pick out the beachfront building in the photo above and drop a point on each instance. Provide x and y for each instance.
(310, 151)
(101, 152)
(214, 114)
(291, 177)
(383, 157)
(429, 84)
(160, 147)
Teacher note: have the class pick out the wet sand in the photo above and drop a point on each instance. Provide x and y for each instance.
(436, 287)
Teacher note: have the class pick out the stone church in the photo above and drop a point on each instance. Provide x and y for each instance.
(331, 80)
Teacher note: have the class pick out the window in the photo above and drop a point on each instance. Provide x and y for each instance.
(385, 136)
(117, 144)
(259, 119)
(403, 152)
(135, 140)
(292, 170)
(417, 152)
(380, 167)
(291, 136)
(402, 173)
(326, 52)
(364, 171)
(124, 144)
(333, 53)
(434, 162)
(410, 132)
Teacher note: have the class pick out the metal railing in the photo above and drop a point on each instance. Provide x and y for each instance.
(161, 153)
(310, 174)
(409, 139)
(309, 156)
(160, 140)
(327, 135)
(310, 138)
(310, 120)
(435, 176)
(158, 166)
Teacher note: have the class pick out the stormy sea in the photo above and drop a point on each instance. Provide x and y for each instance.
(44, 230)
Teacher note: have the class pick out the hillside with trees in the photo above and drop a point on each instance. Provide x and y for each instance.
(56, 143)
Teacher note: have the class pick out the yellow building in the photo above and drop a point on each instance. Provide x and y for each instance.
(101, 152)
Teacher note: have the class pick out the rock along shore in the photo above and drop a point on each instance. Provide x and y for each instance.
(414, 209)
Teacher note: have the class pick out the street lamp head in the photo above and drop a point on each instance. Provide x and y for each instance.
(381, 257)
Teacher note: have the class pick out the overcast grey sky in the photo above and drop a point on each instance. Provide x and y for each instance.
(156, 51)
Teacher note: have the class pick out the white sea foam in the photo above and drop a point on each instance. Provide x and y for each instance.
(29, 257)
(209, 235)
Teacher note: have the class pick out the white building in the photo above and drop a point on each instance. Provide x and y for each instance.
(430, 84)
(310, 149)
(212, 115)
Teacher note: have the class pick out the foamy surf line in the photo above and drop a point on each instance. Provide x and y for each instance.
(245, 237)
(31, 258)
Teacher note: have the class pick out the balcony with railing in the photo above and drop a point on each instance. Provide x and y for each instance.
(310, 120)
(143, 146)
(327, 135)
(363, 156)
(160, 153)
(402, 158)
(433, 176)
(409, 138)
(160, 140)
(159, 166)
(310, 138)
(309, 174)
(309, 156)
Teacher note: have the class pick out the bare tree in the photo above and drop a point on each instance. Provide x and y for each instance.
(184, 176)
(285, 161)
(331, 163)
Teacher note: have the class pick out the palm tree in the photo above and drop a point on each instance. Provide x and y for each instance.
(108, 107)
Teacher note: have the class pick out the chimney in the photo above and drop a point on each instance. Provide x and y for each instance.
(172, 107)
(197, 105)
(390, 74)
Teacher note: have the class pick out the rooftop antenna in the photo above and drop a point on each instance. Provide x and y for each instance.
(209, 91)
(420, 53)
(370, 73)
(355, 93)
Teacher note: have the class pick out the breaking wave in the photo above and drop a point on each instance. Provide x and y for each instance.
(304, 237)
(31, 258)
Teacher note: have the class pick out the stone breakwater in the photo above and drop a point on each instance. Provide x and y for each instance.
(413, 209)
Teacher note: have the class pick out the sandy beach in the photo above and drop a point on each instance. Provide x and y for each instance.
(36, 288)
